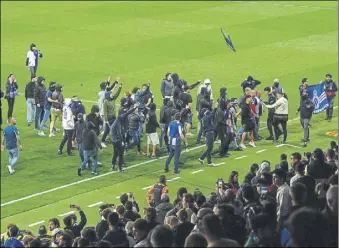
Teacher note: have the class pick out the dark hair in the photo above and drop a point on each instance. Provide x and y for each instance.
(232, 175)
(162, 179)
(304, 80)
(140, 224)
(135, 89)
(333, 180)
(150, 214)
(55, 221)
(296, 155)
(300, 167)
(13, 231)
(129, 205)
(211, 226)
(89, 234)
(42, 230)
(328, 75)
(247, 96)
(262, 181)
(330, 153)
(319, 154)
(162, 236)
(254, 167)
(35, 243)
(67, 238)
(260, 221)
(195, 240)
(181, 192)
(284, 165)
(280, 173)
(267, 89)
(82, 242)
(123, 198)
(283, 156)
(113, 219)
(200, 200)
(182, 215)
(189, 198)
(299, 193)
(120, 209)
(103, 243)
(308, 228)
(248, 193)
(68, 221)
(105, 213)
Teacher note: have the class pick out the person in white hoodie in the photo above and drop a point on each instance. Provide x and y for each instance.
(280, 115)
(68, 126)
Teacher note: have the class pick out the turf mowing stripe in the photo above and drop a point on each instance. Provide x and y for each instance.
(195, 172)
(36, 223)
(261, 151)
(95, 204)
(240, 157)
(65, 214)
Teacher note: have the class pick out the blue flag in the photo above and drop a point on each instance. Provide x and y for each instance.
(228, 40)
(318, 96)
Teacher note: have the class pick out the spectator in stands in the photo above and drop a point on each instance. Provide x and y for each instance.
(121, 212)
(102, 227)
(103, 243)
(198, 225)
(188, 204)
(309, 182)
(233, 180)
(13, 240)
(195, 240)
(284, 203)
(252, 205)
(163, 208)
(36, 243)
(183, 229)
(129, 228)
(54, 225)
(130, 196)
(264, 167)
(130, 214)
(318, 168)
(298, 194)
(65, 240)
(331, 214)
(150, 215)
(251, 174)
(75, 228)
(116, 235)
(162, 236)
(171, 221)
(330, 159)
(140, 232)
(299, 169)
(90, 235)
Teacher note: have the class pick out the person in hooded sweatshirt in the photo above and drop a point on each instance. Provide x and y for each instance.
(151, 129)
(204, 103)
(56, 109)
(222, 96)
(95, 118)
(207, 86)
(39, 98)
(166, 119)
(306, 110)
(220, 126)
(91, 144)
(250, 82)
(80, 126)
(133, 136)
(167, 88)
(207, 127)
(29, 96)
(118, 138)
(109, 111)
(68, 125)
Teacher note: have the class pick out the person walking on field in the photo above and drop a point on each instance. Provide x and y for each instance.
(306, 110)
(68, 125)
(11, 138)
(29, 96)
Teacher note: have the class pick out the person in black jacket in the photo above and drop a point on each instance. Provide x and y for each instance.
(204, 103)
(2, 94)
(167, 118)
(102, 227)
(29, 96)
(95, 118)
(151, 129)
(80, 126)
(250, 82)
(39, 98)
(306, 110)
(220, 127)
(90, 145)
(133, 135)
(271, 100)
(74, 227)
(118, 138)
(207, 126)
(11, 93)
(116, 235)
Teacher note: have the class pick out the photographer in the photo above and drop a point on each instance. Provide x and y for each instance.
(70, 223)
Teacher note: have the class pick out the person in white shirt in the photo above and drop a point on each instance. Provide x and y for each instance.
(32, 58)
(68, 125)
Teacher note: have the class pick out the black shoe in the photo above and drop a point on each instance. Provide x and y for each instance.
(238, 149)
(326, 118)
(305, 144)
(113, 168)
(176, 172)
(70, 154)
(270, 138)
(59, 152)
(166, 170)
(121, 170)
(29, 124)
(79, 172)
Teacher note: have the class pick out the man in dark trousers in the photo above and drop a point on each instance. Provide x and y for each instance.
(330, 89)
(306, 110)
(91, 144)
(271, 100)
(186, 99)
(118, 138)
(220, 127)
(29, 96)
(204, 103)
(167, 88)
(80, 126)
(207, 127)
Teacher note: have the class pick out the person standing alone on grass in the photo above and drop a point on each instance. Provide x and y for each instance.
(11, 137)
(175, 134)
(47, 107)
(91, 144)
(11, 93)
(29, 96)
(32, 58)
(151, 130)
(68, 125)
(330, 89)
(39, 97)
(306, 110)
(56, 109)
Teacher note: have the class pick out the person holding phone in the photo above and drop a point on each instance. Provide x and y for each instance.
(11, 137)
(70, 222)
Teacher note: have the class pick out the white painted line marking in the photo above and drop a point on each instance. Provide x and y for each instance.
(220, 163)
(240, 157)
(292, 146)
(173, 179)
(118, 197)
(36, 223)
(195, 172)
(65, 214)
(288, 5)
(95, 204)
(146, 187)
(261, 151)
(280, 145)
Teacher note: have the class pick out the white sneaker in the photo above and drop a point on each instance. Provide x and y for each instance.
(242, 146)
(189, 134)
(51, 135)
(57, 129)
(201, 161)
(98, 163)
(41, 133)
(103, 145)
(9, 169)
(252, 144)
(213, 165)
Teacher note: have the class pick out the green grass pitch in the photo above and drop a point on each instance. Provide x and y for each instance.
(84, 42)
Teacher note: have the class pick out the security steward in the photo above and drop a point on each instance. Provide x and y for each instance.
(330, 89)
(155, 192)
(271, 100)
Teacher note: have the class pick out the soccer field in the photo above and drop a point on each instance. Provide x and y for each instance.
(85, 42)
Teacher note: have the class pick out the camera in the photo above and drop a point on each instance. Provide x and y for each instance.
(72, 206)
(220, 182)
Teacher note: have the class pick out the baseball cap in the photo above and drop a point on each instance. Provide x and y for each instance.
(40, 79)
(207, 81)
(276, 80)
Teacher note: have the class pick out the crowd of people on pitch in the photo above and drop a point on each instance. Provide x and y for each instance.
(291, 204)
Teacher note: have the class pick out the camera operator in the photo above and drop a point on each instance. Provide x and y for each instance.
(70, 223)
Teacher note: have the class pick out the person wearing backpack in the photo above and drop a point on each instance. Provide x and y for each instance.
(207, 126)
(156, 191)
(11, 93)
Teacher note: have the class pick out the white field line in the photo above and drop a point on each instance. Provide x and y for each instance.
(118, 197)
(65, 214)
(173, 179)
(195, 172)
(294, 6)
(95, 204)
(144, 188)
(261, 151)
(240, 157)
(220, 163)
(293, 146)
(36, 223)
(280, 145)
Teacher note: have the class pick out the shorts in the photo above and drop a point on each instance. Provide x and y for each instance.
(188, 118)
(248, 126)
(153, 139)
(55, 114)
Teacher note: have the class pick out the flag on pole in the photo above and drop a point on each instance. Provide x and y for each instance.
(228, 40)
(318, 96)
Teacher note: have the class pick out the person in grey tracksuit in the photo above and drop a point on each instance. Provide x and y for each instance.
(167, 88)
(306, 110)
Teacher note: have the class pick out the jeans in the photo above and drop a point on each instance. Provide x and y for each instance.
(305, 125)
(44, 120)
(38, 115)
(329, 109)
(200, 132)
(118, 150)
(209, 143)
(10, 107)
(256, 127)
(81, 151)
(32, 70)
(106, 130)
(175, 150)
(67, 137)
(134, 138)
(13, 156)
(270, 123)
(30, 109)
(87, 155)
